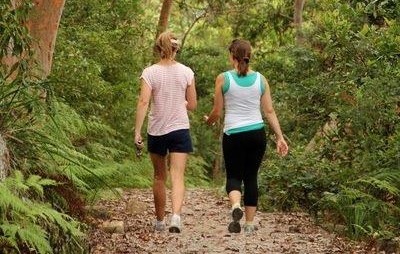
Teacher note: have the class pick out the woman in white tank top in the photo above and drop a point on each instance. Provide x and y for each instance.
(243, 94)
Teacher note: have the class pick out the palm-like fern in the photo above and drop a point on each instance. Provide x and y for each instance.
(26, 221)
(368, 204)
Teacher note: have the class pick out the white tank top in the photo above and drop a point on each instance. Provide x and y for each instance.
(242, 104)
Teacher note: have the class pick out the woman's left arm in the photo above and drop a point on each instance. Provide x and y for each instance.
(269, 112)
(191, 96)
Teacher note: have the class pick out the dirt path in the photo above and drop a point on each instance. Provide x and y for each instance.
(205, 220)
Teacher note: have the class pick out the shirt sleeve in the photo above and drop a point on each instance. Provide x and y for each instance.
(146, 77)
(189, 76)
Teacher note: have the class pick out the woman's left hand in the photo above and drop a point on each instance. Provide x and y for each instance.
(282, 147)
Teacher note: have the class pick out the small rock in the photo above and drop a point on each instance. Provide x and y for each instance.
(98, 212)
(114, 226)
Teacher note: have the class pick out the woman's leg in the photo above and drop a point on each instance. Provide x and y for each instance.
(255, 153)
(235, 197)
(160, 177)
(177, 171)
(233, 157)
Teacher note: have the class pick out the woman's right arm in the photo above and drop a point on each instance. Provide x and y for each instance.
(141, 111)
(216, 112)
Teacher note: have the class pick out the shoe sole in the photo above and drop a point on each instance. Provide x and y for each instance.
(237, 214)
(234, 227)
(174, 229)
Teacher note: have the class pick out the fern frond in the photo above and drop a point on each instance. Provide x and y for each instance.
(378, 184)
(64, 221)
(36, 237)
(37, 183)
(9, 201)
(7, 242)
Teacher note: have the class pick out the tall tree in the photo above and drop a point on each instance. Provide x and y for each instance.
(4, 159)
(164, 17)
(42, 23)
(298, 20)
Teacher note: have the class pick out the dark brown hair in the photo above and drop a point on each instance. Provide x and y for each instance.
(166, 45)
(241, 52)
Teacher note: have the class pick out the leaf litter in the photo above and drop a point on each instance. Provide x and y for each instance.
(205, 218)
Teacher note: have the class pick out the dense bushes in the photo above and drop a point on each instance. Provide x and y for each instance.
(339, 101)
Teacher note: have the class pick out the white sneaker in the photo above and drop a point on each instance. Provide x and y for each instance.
(175, 225)
(249, 228)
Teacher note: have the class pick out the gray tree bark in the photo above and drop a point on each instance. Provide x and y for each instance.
(298, 20)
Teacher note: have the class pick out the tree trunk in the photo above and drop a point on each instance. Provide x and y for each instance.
(4, 159)
(328, 129)
(163, 20)
(219, 159)
(298, 20)
(42, 23)
(164, 16)
(199, 17)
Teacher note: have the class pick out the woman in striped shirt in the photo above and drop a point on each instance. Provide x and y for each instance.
(170, 86)
(244, 93)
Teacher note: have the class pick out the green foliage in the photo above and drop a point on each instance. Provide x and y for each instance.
(196, 174)
(362, 204)
(28, 222)
(301, 184)
(11, 30)
(59, 155)
(101, 49)
(345, 77)
(79, 140)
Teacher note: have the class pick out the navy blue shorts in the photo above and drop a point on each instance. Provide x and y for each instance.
(178, 141)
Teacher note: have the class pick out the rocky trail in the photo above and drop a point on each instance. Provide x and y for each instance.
(125, 225)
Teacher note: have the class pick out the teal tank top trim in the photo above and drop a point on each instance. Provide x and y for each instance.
(245, 81)
(252, 127)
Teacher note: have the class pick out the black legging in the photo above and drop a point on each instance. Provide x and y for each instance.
(243, 153)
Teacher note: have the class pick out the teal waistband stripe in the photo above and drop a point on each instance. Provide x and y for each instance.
(252, 127)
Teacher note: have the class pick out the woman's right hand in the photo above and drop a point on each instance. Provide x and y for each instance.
(138, 141)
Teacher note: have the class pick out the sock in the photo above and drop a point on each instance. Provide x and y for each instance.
(249, 223)
(160, 222)
(236, 205)
(176, 217)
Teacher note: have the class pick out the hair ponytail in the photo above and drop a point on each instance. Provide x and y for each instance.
(167, 45)
(241, 52)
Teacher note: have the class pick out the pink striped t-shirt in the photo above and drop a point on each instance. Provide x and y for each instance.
(168, 85)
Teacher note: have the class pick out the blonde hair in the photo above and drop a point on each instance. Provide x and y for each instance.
(167, 45)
